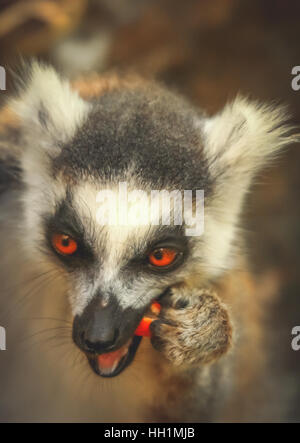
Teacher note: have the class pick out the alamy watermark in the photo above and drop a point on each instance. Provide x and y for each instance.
(296, 80)
(2, 339)
(2, 79)
(141, 208)
(296, 340)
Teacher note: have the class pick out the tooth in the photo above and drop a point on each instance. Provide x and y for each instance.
(115, 365)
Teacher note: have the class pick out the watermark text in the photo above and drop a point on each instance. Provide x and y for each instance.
(296, 80)
(2, 339)
(156, 207)
(2, 79)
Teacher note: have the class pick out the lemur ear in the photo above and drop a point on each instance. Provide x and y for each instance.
(47, 106)
(242, 138)
(237, 142)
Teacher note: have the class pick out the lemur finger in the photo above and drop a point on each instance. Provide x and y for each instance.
(175, 315)
(159, 332)
(175, 299)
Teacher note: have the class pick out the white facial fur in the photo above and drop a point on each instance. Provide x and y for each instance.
(119, 242)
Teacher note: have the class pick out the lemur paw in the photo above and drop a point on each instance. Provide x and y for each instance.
(193, 327)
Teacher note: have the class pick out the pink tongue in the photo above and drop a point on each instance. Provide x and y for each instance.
(107, 361)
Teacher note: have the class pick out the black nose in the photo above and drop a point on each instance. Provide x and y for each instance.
(97, 329)
(103, 328)
(99, 340)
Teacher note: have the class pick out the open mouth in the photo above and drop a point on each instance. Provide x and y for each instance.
(113, 363)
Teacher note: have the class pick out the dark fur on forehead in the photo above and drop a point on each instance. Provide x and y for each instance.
(149, 129)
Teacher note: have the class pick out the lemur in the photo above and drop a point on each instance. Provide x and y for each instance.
(74, 290)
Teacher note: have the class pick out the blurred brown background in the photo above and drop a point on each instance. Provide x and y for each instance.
(209, 51)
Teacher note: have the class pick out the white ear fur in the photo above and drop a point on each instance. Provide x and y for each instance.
(244, 136)
(238, 142)
(47, 105)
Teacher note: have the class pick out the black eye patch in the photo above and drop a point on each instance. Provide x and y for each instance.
(66, 221)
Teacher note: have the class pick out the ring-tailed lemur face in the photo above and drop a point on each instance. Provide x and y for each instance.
(151, 140)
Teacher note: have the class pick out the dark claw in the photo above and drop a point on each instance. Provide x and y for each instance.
(156, 340)
(181, 303)
(155, 327)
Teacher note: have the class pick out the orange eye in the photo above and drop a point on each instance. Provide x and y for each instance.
(162, 257)
(64, 244)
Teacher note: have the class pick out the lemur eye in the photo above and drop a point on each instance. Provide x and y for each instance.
(64, 244)
(162, 256)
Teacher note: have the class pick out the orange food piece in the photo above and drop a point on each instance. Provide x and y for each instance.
(155, 308)
(143, 328)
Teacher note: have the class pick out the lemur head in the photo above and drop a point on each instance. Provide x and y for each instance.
(150, 139)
